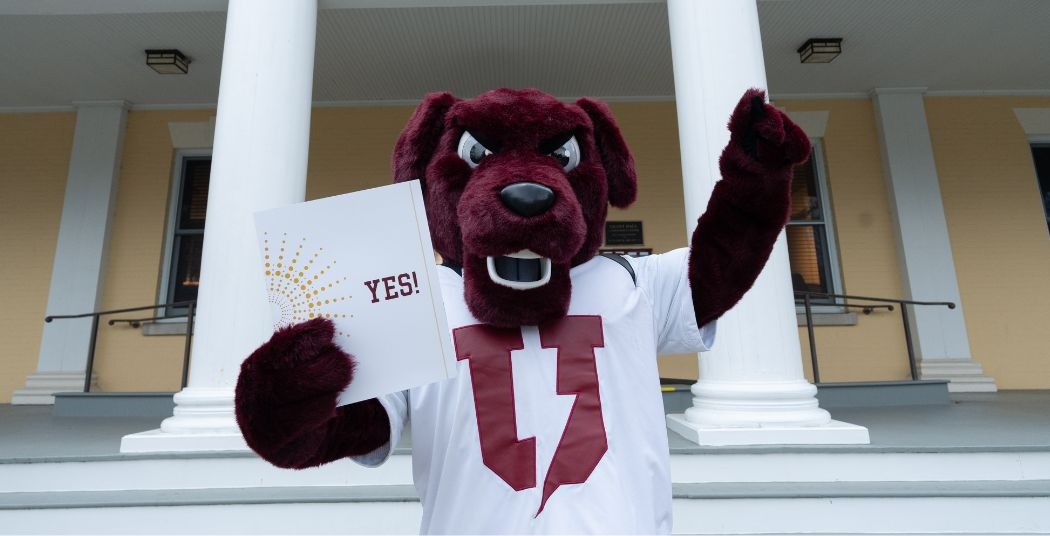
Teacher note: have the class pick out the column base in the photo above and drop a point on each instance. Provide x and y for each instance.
(161, 441)
(41, 387)
(963, 375)
(831, 433)
(741, 412)
(203, 421)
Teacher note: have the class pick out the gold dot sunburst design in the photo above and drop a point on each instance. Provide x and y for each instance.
(301, 283)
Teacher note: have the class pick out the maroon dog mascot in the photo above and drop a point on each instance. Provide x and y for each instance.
(554, 422)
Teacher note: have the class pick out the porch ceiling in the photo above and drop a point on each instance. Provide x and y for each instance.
(55, 52)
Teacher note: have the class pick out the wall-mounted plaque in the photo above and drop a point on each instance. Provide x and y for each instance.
(621, 233)
(629, 252)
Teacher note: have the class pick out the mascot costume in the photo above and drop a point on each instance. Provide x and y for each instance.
(554, 422)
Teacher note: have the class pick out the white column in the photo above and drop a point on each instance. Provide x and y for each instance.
(923, 248)
(752, 389)
(259, 159)
(80, 256)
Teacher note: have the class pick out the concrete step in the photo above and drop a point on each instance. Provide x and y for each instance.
(692, 466)
(103, 404)
(985, 507)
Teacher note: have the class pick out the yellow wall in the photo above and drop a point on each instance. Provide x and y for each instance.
(993, 212)
(874, 349)
(34, 164)
(996, 226)
(349, 150)
(126, 360)
(998, 233)
(651, 132)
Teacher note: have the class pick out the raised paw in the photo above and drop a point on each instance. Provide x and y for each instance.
(766, 135)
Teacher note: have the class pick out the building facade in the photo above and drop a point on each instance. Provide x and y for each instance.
(920, 191)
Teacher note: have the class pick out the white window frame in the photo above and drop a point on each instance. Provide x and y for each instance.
(828, 221)
(1039, 141)
(174, 193)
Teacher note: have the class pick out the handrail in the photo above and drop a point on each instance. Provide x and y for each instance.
(190, 311)
(948, 304)
(807, 300)
(117, 311)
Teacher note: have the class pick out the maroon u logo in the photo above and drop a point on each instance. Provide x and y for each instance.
(583, 442)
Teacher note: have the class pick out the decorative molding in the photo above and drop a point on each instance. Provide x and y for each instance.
(192, 135)
(897, 91)
(1034, 121)
(964, 375)
(41, 387)
(164, 328)
(989, 93)
(813, 123)
(829, 319)
(846, 95)
(35, 109)
(114, 103)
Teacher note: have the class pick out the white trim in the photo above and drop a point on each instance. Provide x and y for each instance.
(394, 4)
(989, 93)
(813, 123)
(35, 109)
(856, 95)
(897, 91)
(173, 213)
(113, 103)
(319, 104)
(415, 102)
(924, 250)
(104, 7)
(175, 106)
(1035, 122)
(846, 95)
(192, 135)
(828, 221)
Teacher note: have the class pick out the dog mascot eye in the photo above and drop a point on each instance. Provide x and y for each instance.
(471, 150)
(568, 154)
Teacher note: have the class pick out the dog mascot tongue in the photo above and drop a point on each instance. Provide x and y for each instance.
(554, 422)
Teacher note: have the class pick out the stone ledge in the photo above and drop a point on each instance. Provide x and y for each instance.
(829, 319)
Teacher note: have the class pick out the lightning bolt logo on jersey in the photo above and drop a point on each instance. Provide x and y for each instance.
(523, 436)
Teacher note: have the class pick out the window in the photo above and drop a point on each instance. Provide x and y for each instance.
(1041, 156)
(810, 236)
(182, 266)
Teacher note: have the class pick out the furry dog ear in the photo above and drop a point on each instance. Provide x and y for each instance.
(420, 137)
(613, 152)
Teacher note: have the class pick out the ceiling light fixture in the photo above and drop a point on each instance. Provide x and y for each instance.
(820, 50)
(167, 61)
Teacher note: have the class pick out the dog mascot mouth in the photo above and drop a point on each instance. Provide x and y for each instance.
(522, 270)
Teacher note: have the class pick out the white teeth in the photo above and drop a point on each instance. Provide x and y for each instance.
(524, 254)
(545, 271)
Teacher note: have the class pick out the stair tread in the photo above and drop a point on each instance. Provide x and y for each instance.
(407, 493)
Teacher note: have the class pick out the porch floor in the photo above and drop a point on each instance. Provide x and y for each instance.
(1006, 420)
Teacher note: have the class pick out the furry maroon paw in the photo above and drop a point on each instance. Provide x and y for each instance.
(762, 138)
(290, 384)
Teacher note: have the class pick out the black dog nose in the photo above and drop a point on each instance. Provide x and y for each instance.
(527, 198)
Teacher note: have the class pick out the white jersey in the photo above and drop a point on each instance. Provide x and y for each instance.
(557, 428)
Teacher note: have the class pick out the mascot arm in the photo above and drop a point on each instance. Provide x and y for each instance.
(748, 207)
(286, 401)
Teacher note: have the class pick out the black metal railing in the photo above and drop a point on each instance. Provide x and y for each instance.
(134, 322)
(807, 303)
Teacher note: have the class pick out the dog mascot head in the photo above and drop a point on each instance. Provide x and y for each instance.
(516, 186)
